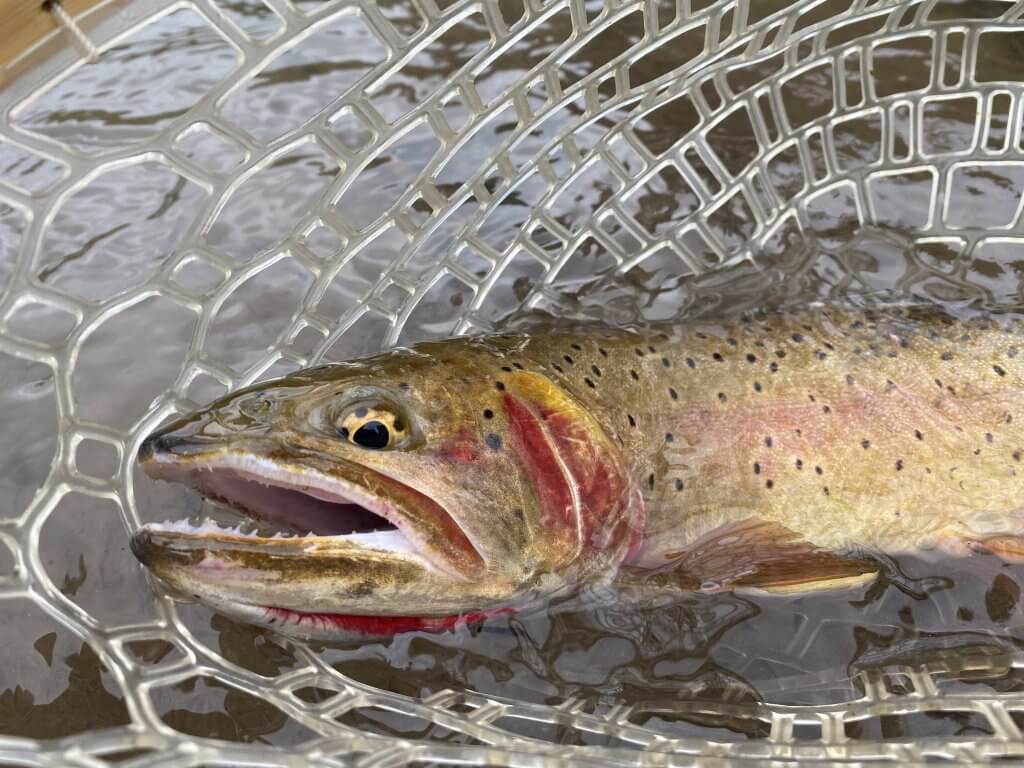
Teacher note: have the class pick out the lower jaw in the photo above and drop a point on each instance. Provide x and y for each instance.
(376, 625)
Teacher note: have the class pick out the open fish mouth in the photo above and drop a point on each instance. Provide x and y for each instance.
(280, 508)
(351, 549)
(276, 504)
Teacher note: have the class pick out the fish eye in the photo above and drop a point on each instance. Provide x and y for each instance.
(373, 434)
(375, 426)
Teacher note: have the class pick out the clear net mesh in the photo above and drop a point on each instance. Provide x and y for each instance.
(238, 189)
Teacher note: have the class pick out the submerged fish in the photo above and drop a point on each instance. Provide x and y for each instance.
(424, 487)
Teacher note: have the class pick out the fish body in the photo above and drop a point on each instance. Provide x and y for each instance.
(777, 452)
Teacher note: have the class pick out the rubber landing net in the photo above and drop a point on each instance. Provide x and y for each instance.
(541, 100)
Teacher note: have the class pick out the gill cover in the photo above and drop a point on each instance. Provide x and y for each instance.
(588, 511)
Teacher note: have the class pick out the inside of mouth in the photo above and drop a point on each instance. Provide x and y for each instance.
(270, 510)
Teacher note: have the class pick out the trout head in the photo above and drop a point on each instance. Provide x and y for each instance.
(412, 490)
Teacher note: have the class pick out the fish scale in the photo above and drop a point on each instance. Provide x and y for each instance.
(877, 429)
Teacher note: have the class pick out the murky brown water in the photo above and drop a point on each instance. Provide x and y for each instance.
(667, 657)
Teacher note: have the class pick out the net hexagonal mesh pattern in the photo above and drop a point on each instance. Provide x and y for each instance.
(325, 179)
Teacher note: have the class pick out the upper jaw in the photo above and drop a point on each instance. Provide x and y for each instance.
(299, 497)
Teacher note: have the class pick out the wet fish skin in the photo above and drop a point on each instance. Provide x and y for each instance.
(769, 452)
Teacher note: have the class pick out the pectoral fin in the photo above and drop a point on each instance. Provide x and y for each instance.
(754, 554)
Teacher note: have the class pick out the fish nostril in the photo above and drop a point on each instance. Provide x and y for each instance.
(259, 407)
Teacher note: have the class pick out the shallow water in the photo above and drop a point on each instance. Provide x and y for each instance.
(121, 230)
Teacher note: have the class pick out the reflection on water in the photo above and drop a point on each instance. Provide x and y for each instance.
(688, 664)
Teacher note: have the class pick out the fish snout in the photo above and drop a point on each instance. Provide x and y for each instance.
(163, 443)
(142, 547)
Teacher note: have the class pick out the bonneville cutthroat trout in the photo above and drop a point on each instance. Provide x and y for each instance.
(459, 479)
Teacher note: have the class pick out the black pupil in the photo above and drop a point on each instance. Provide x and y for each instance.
(373, 434)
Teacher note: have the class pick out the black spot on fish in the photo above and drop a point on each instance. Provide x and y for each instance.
(731, 342)
(849, 380)
(768, 441)
(518, 513)
(899, 464)
(1011, 352)
(757, 468)
(650, 481)
(668, 437)
(757, 386)
(673, 394)
(751, 358)
(596, 370)
(632, 421)
(652, 349)
(799, 463)
(499, 386)
(506, 368)
(403, 385)
(722, 397)
(679, 485)
(773, 367)
(634, 374)
(989, 438)
(493, 442)
(666, 362)
(947, 356)
(690, 363)
(819, 470)
(819, 354)
(603, 351)
(716, 357)
(577, 347)
(558, 368)
(826, 409)
(797, 337)
(780, 353)
(999, 370)
(769, 484)
(918, 434)
(865, 444)
(488, 413)
(517, 366)
(568, 359)
(590, 382)
(1016, 455)
(826, 491)
(639, 352)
